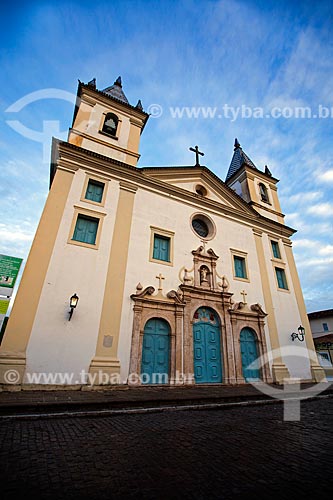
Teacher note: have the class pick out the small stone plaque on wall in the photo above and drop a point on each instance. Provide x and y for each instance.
(107, 342)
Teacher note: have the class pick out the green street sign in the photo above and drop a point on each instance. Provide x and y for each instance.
(9, 269)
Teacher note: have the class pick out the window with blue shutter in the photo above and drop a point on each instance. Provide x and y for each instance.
(94, 191)
(86, 229)
(281, 278)
(276, 250)
(161, 248)
(240, 268)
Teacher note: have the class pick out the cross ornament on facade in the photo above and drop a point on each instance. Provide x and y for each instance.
(197, 153)
(160, 278)
(244, 294)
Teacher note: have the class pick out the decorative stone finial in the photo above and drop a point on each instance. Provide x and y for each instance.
(92, 83)
(118, 81)
(267, 171)
(225, 284)
(139, 287)
(139, 105)
(236, 145)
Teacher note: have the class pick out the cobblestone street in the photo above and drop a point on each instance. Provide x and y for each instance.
(247, 452)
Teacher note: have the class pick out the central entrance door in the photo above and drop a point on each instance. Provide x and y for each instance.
(249, 351)
(155, 352)
(207, 347)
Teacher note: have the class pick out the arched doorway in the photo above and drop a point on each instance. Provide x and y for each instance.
(155, 352)
(249, 352)
(206, 347)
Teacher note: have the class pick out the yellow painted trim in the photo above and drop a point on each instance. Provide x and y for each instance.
(271, 321)
(99, 179)
(75, 159)
(161, 232)
(110, 145)
(300, 302)
(252, 189)
(134, 138)
(239, 253)
(276, 202)
(25, 306)
(115, 279)
(264, 206)
(89, 213)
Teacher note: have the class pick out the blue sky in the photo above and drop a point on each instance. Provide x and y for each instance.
(255, 54)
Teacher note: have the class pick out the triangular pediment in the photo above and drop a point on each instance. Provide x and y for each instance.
(201, 182)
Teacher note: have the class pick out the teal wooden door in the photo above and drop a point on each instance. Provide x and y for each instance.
(249, 351)
(206, 347)
(155, 352)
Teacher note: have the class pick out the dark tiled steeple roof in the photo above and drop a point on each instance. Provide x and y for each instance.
(116, 91)
(238, 160)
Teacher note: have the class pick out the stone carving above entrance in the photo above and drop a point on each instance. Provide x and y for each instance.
(199, 308)
(203, 273)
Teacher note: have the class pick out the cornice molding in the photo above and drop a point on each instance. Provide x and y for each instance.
(104, 143)
(77, 157)
(263, 207)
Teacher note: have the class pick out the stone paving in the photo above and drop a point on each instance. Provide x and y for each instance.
(129, 397)
(234, 453)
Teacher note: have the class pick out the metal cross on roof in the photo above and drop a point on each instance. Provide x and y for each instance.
(197, 153)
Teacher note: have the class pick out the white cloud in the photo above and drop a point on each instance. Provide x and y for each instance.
(305, 197)
(14, 235)
(321, 209)
(326, 176)
(316, 262)
(326, 250)
(304, 243)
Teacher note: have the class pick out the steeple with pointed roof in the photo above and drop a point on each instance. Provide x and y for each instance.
(256, 187)
(238, 160)
(116, 91)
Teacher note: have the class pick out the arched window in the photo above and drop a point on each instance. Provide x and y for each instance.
(110, 124)
(263, 193)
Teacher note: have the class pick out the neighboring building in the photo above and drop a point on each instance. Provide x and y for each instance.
(321, 323)
(181, 277)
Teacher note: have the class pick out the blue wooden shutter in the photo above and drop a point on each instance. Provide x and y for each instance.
(161, 248)
(239, 267)
(94, 191)
(281, 278)
(86, 230)
(91, 231)
(276, 250)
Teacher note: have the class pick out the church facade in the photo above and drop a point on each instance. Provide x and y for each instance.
(179, 277)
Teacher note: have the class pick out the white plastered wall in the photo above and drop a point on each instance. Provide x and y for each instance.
(57, 345)
(151, 209)
(286, 312)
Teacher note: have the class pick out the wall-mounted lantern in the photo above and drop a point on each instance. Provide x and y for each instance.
(300, 335)
(73, 303)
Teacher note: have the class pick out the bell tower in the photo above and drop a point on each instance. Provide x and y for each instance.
(255, 187)
(106, 123)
